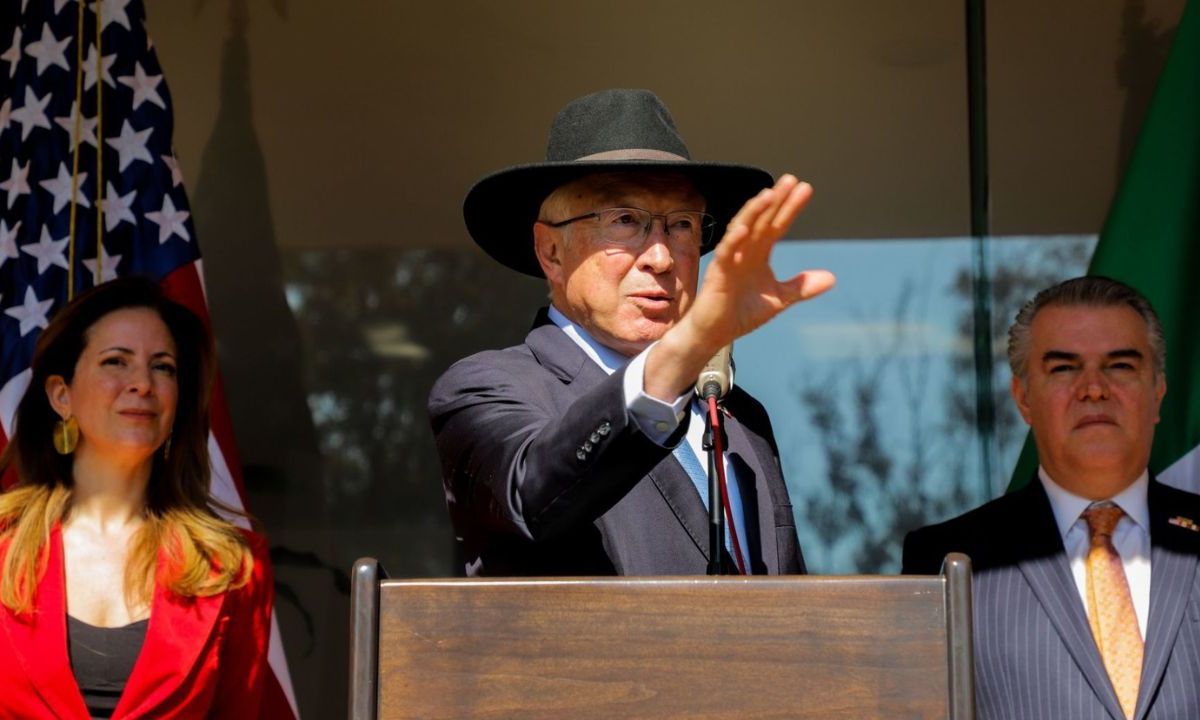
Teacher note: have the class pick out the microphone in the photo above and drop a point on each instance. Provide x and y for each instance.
(717, 377)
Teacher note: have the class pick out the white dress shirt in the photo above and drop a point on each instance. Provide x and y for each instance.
(1131, 538)
(655, 418)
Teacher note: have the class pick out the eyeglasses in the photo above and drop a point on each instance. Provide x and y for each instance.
(629, 227)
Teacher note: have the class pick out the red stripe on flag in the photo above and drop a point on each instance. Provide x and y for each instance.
(183, 286)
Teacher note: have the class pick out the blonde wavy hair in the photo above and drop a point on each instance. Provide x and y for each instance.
(205, 553)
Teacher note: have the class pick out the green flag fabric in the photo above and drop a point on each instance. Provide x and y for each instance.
(1151, 241)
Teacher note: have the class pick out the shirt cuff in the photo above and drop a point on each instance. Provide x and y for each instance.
(656, 419)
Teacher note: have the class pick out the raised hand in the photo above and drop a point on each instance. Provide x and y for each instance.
(740, 291)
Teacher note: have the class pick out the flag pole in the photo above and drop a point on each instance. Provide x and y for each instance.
(985, 411)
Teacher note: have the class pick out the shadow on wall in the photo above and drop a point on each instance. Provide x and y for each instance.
(260, 353)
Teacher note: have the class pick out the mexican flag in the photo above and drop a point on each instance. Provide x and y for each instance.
(1151, 240)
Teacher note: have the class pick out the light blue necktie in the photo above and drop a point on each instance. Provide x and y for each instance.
(687, 458)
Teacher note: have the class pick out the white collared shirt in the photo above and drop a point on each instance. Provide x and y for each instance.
(1131, 537)
(655, 418)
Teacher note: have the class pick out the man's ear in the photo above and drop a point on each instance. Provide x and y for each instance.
(1018, 390)
(548, 246)
(58, 393)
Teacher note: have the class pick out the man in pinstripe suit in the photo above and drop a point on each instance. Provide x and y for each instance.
(1088, 360)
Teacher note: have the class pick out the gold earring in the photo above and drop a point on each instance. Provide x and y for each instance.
(167, 448)
(66, 435)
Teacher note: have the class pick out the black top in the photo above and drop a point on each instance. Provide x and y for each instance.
(102, 659)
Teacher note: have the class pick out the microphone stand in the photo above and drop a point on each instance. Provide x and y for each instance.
(716, 508)
(714, 443)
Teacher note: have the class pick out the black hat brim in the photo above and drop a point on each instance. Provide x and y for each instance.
(500, 209)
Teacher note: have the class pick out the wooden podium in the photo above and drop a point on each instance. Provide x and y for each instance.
(671, 647)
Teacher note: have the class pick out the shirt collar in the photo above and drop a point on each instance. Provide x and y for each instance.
(608, 360)
(1068, 506)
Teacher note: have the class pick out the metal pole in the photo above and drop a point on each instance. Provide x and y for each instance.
(980, 223)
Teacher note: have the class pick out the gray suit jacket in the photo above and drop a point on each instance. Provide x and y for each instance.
(546, 475)
(1034, 653)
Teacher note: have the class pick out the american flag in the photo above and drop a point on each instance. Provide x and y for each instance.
(64, 157)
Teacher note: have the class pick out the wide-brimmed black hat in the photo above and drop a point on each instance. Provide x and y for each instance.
(607, 131)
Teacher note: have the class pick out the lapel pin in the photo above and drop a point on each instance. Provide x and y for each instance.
(1181, 521)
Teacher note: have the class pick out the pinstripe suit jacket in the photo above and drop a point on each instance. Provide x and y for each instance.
(1034, 653)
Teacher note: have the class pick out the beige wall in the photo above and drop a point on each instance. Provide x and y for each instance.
(374, 116)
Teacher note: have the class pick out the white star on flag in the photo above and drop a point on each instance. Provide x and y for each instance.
(117, 207)
(169, 221)
(60, 188)
(5, 113)
(8, 242)
(108, 266)
(32, 114)
(48, 251)
(145, 87)
(49, 50)
(131, 145)
(32, 314)
(17, 183)
(176, 173)
(113, 11)
(89, 69)
(87, 124)
(13, 54)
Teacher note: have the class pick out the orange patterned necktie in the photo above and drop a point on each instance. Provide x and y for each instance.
(1110, 607)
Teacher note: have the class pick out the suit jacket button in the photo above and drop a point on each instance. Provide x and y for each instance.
(587, 447)
(604, 428)
(580, 455)
(594, 438)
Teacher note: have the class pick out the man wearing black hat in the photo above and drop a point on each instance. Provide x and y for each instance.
(576, 453)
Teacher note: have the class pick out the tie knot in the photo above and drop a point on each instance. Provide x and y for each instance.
(1102, 519)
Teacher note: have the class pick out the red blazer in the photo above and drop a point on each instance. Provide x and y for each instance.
(204, 657)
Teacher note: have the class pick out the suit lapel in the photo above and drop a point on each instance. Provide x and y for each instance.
(677, 490)
(1045, 567)
(756, 457)
(560, 355)
(180, 630)
(39, 641)
(1173, 557)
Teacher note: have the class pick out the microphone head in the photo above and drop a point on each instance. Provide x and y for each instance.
(716, 378)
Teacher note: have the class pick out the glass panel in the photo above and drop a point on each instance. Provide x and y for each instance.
(871, 388)
(379, 326)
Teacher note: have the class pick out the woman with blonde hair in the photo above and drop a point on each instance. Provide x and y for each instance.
(123, 592)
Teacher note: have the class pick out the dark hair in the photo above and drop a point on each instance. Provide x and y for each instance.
(1090, 291)
(183, 476)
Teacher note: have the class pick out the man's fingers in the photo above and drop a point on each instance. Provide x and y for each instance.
(806, 285)
(752, 208)
(765, 217)
(766, 202)
(791, 207)
(780, 195)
